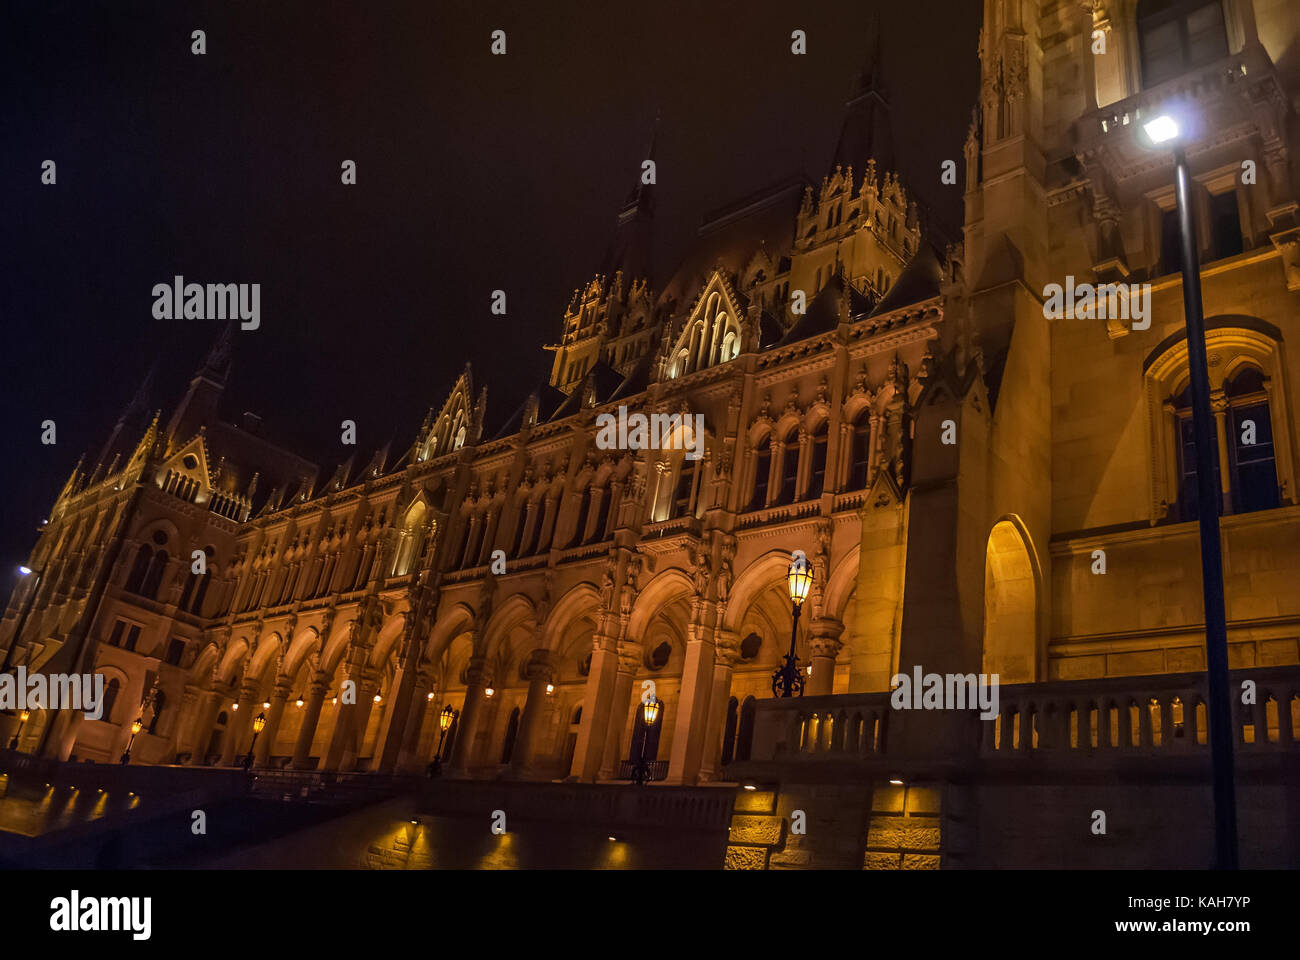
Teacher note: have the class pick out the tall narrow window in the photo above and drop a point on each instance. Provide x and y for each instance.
(1253, 468)
(789, 469)
(512, 731)
(580, 521)
(1187, 491)
(860, 462)
(1171, 251)
(762, 473)
(1225, 225)
(685, 482)
(602, 515)
(817, 478)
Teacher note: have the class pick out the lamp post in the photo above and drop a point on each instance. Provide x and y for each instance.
(445, 719)
(23, 571)
(136, 726)
(259, 724)
(787, 681)
(649, 717)
(1165, 130)
(23, 717)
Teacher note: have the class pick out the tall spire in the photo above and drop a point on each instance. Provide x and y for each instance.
(867, 132)
(131, 422)
(216, 365)
(630, 247)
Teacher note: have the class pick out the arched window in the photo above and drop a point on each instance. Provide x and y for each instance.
(1176, 36)
(817, 478)
(110, 700)
(860, 454)
(139, 568)
(521, 520)
(512, 731)
(602, 515)
(789, 469)
(580, 521)
(762, 475)
(153, 576)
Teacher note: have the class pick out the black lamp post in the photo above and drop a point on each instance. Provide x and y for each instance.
(788, 681)
(445, 720)
(23, 571)
(1165, 130)
(649, 716)
(23, 717)
(259, 724)
(136, 726)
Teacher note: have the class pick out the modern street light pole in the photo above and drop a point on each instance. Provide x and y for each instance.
(1165, 129)
(22, 618)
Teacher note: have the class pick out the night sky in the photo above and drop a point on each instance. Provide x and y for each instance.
(474, 172)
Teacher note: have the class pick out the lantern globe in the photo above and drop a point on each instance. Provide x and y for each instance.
(799, 579)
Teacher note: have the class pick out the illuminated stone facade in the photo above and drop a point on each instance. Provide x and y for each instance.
(826, 430)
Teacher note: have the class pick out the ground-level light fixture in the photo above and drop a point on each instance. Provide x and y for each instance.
(750, 786)
(896, 782)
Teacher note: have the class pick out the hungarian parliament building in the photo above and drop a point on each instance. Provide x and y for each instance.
(979, 489)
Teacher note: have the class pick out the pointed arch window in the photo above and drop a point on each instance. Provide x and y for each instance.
(817, 478)
(860, 453)
(789, 469)
(580, 520)
(1252, 459)
(762, 474)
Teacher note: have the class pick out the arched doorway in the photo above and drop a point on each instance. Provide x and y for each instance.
(1011, 606)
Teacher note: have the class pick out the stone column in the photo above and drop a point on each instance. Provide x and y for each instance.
(239, 724)
(597, 699)
(692, 706)
(408, 756)
(262, 752)
(726, 653)
(209, 706)
(825, 643)
(403, 699)
(541, 668)
(630, 653)
(187, 719)
(467, 726)
(1219, 403)
(319, 686)
(367, 687)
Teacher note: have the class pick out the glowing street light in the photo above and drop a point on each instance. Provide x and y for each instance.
(650, 710)
(787, 681)
(22, 719)
(445, 719)
(136, 726)
(259, 724)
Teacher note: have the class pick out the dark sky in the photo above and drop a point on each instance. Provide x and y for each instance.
(475, 172)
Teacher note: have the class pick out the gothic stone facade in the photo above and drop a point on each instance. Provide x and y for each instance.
(825, 432)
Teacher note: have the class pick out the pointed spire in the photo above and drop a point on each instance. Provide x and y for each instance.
(629, 249)
(867, 132)
(216, 365)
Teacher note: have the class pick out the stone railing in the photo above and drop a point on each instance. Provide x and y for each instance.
(1163, 714)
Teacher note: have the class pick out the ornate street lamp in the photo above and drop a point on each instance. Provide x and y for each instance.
(787, 681)
(136, 726)
(1171, 132)
(650, 711)
(259, 724)
(23, 717)
(445, 720)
